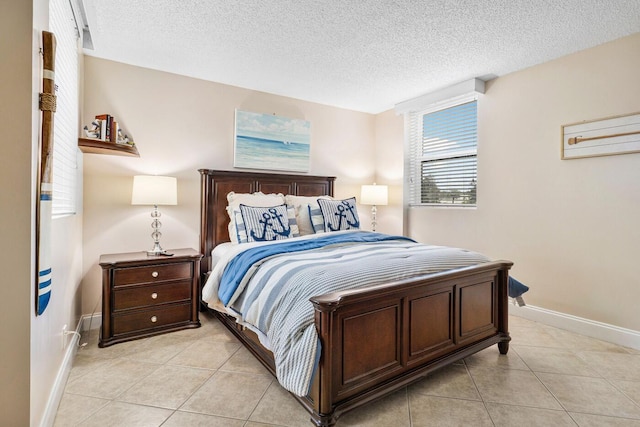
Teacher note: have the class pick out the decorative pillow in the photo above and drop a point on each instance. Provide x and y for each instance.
(257, 199)
(301, 204)
(339, 214)
(266, 223)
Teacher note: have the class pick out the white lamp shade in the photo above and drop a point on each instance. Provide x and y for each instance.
(374, 195)
(154, 190)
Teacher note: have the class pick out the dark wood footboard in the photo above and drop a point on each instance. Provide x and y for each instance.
(379, 339)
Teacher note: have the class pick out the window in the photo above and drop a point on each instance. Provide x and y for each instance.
(65, 132)
(442, 159)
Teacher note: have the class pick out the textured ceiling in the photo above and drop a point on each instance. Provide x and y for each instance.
(356, 54)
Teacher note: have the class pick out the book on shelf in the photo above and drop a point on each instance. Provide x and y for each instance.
(106, 125)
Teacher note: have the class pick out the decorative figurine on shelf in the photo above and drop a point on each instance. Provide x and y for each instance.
(94, 132)
(123, 139)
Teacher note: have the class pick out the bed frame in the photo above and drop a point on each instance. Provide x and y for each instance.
(379, 339)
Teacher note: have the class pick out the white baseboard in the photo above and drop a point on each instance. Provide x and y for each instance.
(591, 328)
(61, 379)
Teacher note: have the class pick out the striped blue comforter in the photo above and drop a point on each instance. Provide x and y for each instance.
(268, 287)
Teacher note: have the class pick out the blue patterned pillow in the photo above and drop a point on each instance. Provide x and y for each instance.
(339, 214)
(256, 224)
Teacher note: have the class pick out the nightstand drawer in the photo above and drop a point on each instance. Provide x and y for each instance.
(153, 273)
(148, 319)
(147, 296)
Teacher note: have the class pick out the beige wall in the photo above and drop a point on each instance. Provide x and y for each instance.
(32, 352)
(570, 226)
(15, 210)
(389, 162)
(181, 124)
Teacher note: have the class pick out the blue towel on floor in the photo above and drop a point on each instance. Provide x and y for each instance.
(516, 288)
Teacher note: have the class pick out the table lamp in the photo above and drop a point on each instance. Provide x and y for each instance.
(374, 195)
(155, 190)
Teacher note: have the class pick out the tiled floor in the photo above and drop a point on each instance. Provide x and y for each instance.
(203, 377)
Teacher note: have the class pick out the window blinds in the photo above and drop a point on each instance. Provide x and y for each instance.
(65, 132)
(443, 155)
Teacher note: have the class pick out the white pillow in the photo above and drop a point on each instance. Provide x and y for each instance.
(258, 199)
(302, 205)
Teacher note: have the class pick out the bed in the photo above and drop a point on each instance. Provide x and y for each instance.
(372, 340)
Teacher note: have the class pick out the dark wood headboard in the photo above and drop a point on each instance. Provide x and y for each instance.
(215, 185)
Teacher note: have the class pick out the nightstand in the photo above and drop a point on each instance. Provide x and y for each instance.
(148, 295)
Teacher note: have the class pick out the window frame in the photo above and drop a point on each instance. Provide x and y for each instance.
(414, 157)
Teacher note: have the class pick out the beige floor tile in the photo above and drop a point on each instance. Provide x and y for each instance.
(521, 322)
(491, 358)
(589, 395)
(112, 351)
(617, 366)
(243, 389)
(443, 412)
(451, 381)
(254, 424)
(210, 327)
(161, 348)
(229, 394)
(510, 386)
(522, 416)
(588, 420)
(630, 388)
(555, 360)
(279, 407)
(244, 361)
(188, 419)
(392, 410)
(110, 381)
(538, 337)
(120, 414)
(73, 409)
(167, 387)
(581, 342)
(206, 353)
(83, 364)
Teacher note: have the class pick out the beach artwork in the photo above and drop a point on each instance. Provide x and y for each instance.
(265, 141)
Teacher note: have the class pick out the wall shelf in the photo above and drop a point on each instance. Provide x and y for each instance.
(96, 146)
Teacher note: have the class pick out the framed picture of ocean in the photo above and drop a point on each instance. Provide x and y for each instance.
(266, 141)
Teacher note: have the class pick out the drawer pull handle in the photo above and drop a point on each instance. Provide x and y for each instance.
(154, 319)
(154, 274)
(154, 295)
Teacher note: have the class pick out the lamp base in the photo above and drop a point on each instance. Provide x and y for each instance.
(153, 253)
(374, 210)
(156, 224)
(157, 250)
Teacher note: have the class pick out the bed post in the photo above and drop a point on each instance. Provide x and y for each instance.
(207, 218)
(503, 310)
(323, 411)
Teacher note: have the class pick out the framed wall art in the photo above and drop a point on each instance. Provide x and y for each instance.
(603, 137)
(266, 141)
